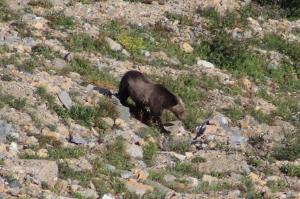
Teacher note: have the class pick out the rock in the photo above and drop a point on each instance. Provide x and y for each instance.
(126, 174)
(126, 53)
(223, 122)
(86, 193)
(43, 170)
(175, 61)
(169, 178)
(205, 64)
(42, 153)
(108, 196)
(65, 99)
(7, 131)
(138, 188)
(230, 162)
(257, 180)
(134, 151)
(29, 152)
(192, 182)
(80, 164)
(59, 63)
(140, 174)
(14, 184)
(209, 179)
(77, 139)
(179, 156)
(187, 48)
(31, 140)
(13, 148)
(113, 45)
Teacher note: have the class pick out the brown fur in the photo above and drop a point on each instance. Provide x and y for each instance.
(145, 93)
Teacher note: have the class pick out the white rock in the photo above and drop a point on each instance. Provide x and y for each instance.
(205, 64)
(134, 151)
(113, 44)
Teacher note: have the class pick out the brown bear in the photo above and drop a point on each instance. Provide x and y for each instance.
(145, 93)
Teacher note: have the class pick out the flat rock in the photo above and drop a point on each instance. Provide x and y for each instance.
(221, 162)
(43, 170)
(138, 188)
(134, 151)
(65, 99)
(205, 64)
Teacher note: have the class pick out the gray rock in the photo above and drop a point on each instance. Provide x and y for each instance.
(124, 112)
(113, 45)
(134, 151)
(59, 63)
(236, 140)
(14, 184)
(7, 131)
(223, 122)
(126, 174)
(175, 61)
(65, 99)
(77, 139)
(169, 178)
(205, 64)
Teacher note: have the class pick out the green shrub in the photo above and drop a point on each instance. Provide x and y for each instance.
(63, 153)
(59, 21)
(289, 149)
(149, 152)
(66, 173)
(83, 113)
(291, 170)
(116, 155)
(198, 159)
(235, 113)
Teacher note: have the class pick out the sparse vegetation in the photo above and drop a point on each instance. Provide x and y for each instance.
(41, 3)
(63, 153)
(115, 154)
(58, 20)
(150, 151)
(291, 170)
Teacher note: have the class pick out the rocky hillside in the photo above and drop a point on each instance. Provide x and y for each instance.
(236, 63)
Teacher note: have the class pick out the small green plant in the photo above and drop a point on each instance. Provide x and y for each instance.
(18, 104)
(235, 113)
(179, 145)
(289, 149)
(86, 114)
(156, 175)
(45, 51)
(66, 172)
(182, 19)
(92, 74)
(148, 132)
(59, 21)
(198, 159)
(277, 186)
(116, 155)
(30, 64)
(6, 14)
(149, 151)
(63, 153)
(291, 170)
(6, 77)
(41, 3)
(214, 187)
(185, 168)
